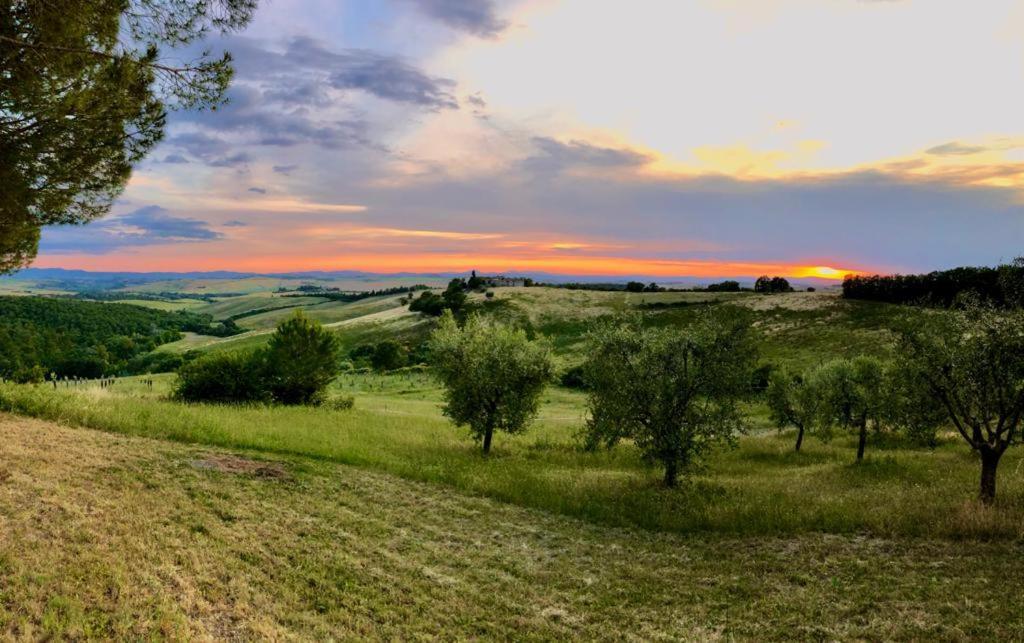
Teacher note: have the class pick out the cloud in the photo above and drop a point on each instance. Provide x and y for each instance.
(301, 95)
(554, 156)
(955, 148)
(285, 169)
(234, 160)
(478, 17)
(149, 225)
(211, 150)
(258, 190)
(257, 121)
(235, 223)
(306, 69)
(174, 158)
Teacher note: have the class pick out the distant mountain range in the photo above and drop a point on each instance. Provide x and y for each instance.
(84, 279)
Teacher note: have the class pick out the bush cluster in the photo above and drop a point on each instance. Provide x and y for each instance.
(296, 367)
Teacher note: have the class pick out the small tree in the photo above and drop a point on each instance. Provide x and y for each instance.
(795, 400)
(493, 375)
(674, 392)
(301, 360)
(428, 303)
(972, 362)
(455, 295)
(909, 406)
(854, 394)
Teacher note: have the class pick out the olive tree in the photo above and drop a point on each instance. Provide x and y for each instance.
(853, 393)
(493, 375)
(795, 400)
(674, 392)
(972, 362)
(909, 407)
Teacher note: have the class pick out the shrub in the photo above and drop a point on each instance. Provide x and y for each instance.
(428, 303)
(574, 378)
(340, 403)
(388, 355)
(724, 286)
(155, 362)
(231, 377)
(34, 374)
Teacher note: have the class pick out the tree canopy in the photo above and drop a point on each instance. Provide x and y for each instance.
(972, 363)
(674, 392)
(493, 375)
(795, 400)
(301, 360)
(853, 394)
(73, 338)
(84, 96)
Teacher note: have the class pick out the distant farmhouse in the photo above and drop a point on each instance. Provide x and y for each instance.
(506, 282)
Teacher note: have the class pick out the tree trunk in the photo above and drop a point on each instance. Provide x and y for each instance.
(863, 440)
(488, 434)
(989, 463)
(799, 437)
(671, 473)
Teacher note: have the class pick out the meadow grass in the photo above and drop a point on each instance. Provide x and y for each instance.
(112, 537)
(323, 311)
(762, 487)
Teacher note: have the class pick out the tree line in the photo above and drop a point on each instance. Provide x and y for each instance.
(1002, 286)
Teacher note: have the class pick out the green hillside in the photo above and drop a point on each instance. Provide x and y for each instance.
(69, 337)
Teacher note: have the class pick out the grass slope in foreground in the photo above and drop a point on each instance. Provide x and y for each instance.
(106, 536)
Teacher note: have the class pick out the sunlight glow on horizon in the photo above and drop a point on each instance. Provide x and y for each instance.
(587, 266)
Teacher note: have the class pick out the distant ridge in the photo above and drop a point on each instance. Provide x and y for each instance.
(127, 277)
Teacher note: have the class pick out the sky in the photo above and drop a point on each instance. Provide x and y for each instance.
(665, 138)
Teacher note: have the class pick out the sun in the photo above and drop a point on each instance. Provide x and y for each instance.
(826, 272)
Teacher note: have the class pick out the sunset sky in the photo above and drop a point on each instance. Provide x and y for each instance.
(666, 138)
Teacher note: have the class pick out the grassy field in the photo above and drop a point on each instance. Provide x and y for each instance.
(231, 306)
(193, 305)
(761, 488)
(325, 312)
(159, 540)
